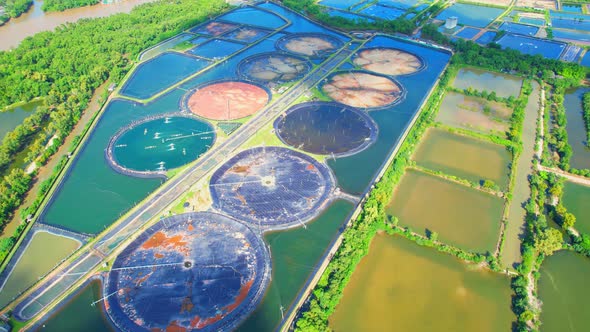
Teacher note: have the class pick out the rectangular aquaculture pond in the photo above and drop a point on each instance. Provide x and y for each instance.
(486, 38)
(462, 216)
(463, 156)
(469, 14)
(467, 33)
(576, 129)
(42, 253)
(576, 198)
(481, 80)
(522, 29)
(532, 46)
(400, 286)
(474, 113)
(159, 73)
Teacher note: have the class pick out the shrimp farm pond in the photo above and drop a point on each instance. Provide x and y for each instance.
(217, 178)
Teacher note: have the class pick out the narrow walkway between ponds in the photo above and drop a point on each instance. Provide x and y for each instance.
(522, 191)
(570, 177)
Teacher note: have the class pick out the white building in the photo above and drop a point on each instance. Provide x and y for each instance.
(451, 22)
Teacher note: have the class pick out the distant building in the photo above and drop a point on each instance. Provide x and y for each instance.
(451, 22)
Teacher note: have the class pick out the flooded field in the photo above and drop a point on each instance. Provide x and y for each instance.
(481, 80)
(463, 156)
(44, 251)
(462, 216)
(414, 288)
(576, 198)
(563, 289)
(473, 113)
(11, 118)
(576, 130)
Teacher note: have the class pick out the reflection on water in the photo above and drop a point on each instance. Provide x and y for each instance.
(35, 20)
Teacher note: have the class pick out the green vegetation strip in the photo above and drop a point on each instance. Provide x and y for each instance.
(586, 105)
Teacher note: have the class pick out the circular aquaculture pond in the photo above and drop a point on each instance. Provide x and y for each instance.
(388, 61)
(159, 143)
(363, 90)
(195, 271)
(273, 68)
(226, 100)
(271, 187)
(326, 128)
(314, 45)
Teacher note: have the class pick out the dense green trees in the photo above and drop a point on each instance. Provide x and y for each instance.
(14, 8)
(61, 5)
(65, 67)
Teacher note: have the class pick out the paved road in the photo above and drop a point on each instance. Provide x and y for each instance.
(59, 281)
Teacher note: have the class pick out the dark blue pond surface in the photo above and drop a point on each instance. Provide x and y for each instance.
(340, 4)
(467, 33)
(199, 40)
(486, 38)
(271, 187)
(355, 179)
(326, 128)
(522, 29)
(159, 73)
(478, 16)
(218, 267)
(586, 60)
(253, 16)
(571, 35)
(383, 12)
(347, 15)
(571, 8)
(216, 49)
(532, 21)
(532, 46)
(570, 21)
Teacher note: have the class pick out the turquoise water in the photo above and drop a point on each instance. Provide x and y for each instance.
(477, 16)
(571, 8)
(149, 78)
(572, 35)
(11, 118)
(165, 143)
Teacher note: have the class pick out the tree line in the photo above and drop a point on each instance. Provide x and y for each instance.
(13, 8)
(61, 5)
(65, 67)
(586, 116)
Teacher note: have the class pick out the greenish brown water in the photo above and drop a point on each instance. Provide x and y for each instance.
(483, 80)
(463, 156)
(462, 216)
(44, 251)
(295, 255)
(457, 110)
(11, 118)
(79, 315)
(563, 289)
(576, 198)
(400, 286)
(576, 129)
